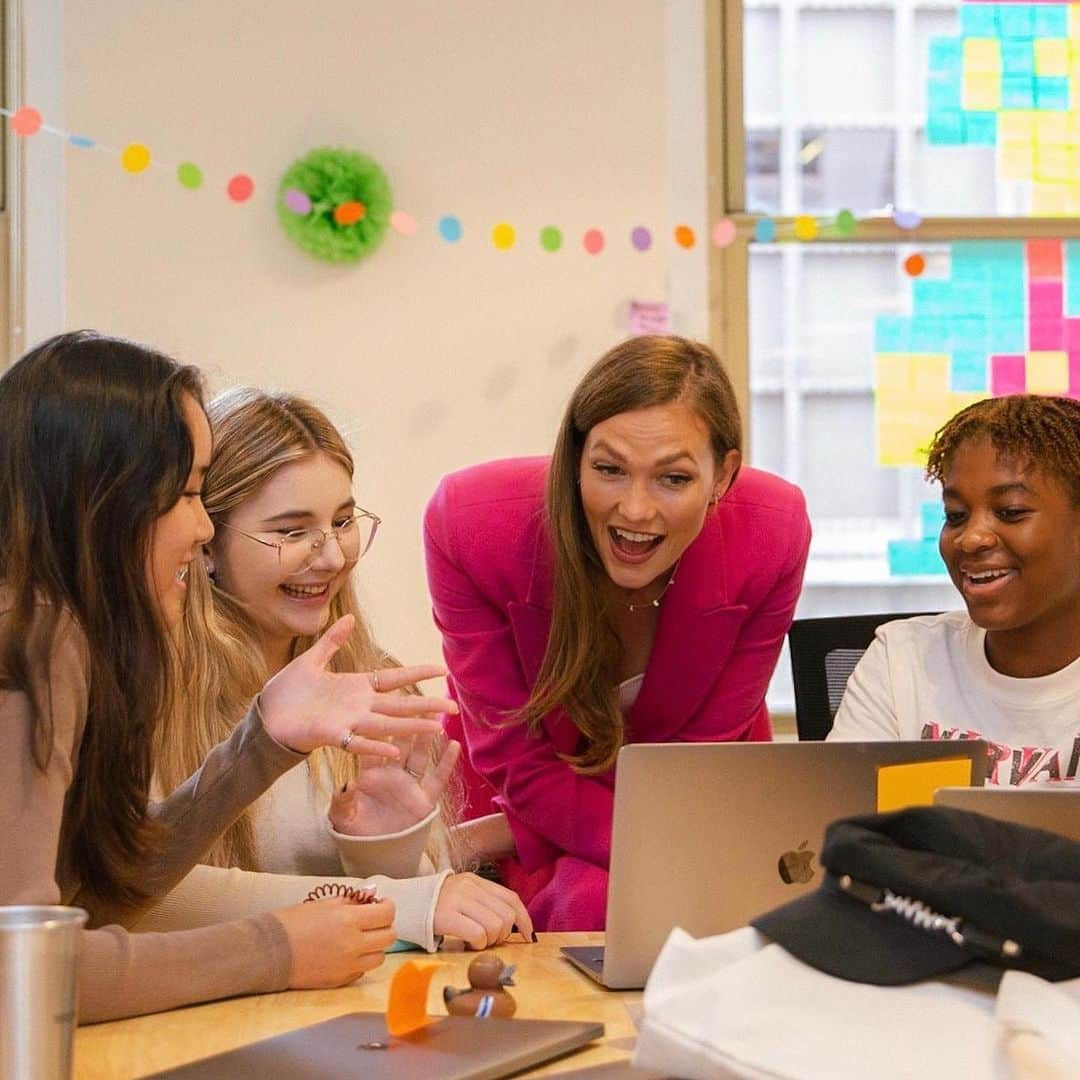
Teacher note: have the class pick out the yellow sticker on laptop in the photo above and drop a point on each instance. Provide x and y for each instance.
(914, 784)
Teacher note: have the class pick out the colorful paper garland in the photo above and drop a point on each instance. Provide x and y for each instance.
(352, 212)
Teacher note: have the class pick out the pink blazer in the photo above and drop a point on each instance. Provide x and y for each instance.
(721, 626)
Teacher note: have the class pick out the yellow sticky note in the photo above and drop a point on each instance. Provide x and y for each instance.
(1052, 164)
(982, 90)
(1051, 56)
(982, 55)
(1049, 199)
(1074, 22)
(893, 371)
(1047, 372)
(914, 784)
(406, 1006)
(1017, 160)
(1052, 128)
(1016, 125)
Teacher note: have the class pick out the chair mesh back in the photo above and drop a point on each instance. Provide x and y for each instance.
(824, 653)
(839, 664)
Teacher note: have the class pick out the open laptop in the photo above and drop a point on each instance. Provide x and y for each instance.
(708, 835)
(1054, 807)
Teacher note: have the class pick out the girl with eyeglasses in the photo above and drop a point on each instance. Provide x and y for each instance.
(104, 446)
(288, 534)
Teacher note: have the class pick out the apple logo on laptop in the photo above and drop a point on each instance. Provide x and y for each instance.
(794, 866)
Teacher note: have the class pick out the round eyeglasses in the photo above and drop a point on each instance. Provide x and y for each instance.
(298, 548)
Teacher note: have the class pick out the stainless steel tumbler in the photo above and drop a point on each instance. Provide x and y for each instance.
(39, 952)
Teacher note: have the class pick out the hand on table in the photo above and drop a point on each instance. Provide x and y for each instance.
(305, 706)
(388, 797)
(479, 911)
(334, 942)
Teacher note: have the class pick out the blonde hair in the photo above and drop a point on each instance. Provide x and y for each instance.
(256, 433)
(578, 671)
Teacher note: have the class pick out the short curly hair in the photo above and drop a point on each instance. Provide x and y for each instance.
(1040, 430)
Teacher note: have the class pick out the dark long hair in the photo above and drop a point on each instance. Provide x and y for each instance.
(94, 447)
(578, 669)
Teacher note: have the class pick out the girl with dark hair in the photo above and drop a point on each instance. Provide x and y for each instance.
(103, 448)
(635, 588)
(1008, 668)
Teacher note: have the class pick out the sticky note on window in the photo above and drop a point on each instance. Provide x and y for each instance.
(914, 784)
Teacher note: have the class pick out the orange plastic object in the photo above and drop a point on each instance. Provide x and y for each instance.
(406, 1007)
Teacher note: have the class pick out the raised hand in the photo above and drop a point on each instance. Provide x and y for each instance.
(305, 705)
(334, 942)
(480, 912)
(388, 797)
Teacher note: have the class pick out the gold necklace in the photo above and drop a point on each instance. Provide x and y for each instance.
(660, 596)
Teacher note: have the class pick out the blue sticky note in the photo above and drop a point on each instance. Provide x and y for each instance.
(1016, 20)
(1072, 277)
(909, 558)
(1050, 20)
(967, 373)
(1018, 92)
(1017, 56)
(971, 332)
(1051, 92)
(969, 297)
(931, 298)
(932, 515)
(1007, 299)
(979, 20)
(967, 261)
(1008, 335)
(892, 333)
(945, 127)
(944, 92)
(980, 128)
(930, 335)
(947, 55)
(1004, 253)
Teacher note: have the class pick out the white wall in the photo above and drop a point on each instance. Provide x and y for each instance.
(431, 356)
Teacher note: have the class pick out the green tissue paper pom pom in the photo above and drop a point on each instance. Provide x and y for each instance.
(330, 177)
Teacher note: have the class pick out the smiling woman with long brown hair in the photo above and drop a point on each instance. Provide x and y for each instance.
(103, 448)
(636, 587)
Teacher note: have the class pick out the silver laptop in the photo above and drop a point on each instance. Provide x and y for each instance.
(1055, 808)
(708, 835)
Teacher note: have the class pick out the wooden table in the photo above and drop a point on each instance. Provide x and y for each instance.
(547, 988)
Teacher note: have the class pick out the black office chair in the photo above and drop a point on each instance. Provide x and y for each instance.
(824, 653)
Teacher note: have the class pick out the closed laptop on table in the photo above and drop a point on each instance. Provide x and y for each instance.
(1053, 807)
(708, 835)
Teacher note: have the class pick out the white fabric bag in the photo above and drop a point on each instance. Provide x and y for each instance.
(738, 1005)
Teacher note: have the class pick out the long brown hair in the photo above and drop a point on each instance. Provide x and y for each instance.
(94, 447)
(579, 666)
(256, 433)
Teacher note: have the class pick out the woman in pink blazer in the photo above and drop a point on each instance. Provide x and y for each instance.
(635, 588)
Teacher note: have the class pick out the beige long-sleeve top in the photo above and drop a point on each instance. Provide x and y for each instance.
(298, 850)
(125, 974)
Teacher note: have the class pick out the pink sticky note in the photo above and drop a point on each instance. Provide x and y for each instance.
(1047, 335)
(649, 317)
(1007, 375)
(1074, 374)
(1044, 300)
(1072, 335)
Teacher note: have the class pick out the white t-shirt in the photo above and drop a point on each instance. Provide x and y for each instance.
(928, 678)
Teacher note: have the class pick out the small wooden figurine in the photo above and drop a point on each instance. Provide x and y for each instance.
(486, 995)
